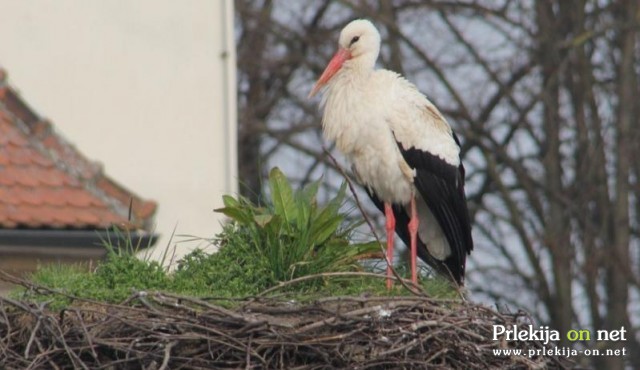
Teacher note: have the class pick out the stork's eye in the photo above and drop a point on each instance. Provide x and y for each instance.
(354, 40)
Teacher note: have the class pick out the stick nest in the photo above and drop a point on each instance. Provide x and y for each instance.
(166, 331)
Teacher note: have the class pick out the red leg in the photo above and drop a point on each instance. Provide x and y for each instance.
(391, 227)
(413, 232)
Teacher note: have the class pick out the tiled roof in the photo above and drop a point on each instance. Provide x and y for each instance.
(46, 183)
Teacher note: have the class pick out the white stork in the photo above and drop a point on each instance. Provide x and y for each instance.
(402, 150)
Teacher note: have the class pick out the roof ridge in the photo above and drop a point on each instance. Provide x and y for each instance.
(65, 156)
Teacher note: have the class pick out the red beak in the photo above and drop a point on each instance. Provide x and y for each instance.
(333, 67)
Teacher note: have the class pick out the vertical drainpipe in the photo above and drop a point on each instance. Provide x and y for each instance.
(230, 114)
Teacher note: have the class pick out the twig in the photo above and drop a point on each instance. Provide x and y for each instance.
(32, 338)
(87, 336)
(167, 355)
(317, 276)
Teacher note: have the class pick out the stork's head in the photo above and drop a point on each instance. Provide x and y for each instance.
(359, 44)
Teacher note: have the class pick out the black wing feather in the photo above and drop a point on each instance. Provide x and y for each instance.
(441, 185)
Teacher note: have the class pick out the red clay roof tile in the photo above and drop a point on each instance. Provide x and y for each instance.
(46, 183)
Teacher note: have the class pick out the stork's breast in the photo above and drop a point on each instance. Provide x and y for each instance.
(383, 174)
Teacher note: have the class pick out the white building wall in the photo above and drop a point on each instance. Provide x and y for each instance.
(147, 87)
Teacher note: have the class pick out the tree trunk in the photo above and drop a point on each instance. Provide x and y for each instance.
(556, 235)
(619, 268)
(250, 117)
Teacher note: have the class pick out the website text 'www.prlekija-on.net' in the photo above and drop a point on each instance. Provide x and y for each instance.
(547, 337)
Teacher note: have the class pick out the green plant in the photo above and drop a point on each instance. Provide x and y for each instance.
(126, 271)
(233, 271)
(295, 234)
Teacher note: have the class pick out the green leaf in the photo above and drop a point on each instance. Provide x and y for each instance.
(368, 248)
(310, 191)
(306, 203)
(282, 195)
(340, 196)
(274, 226)
(236, 213)
(325, 225)
(262, 220)
(230, 201)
